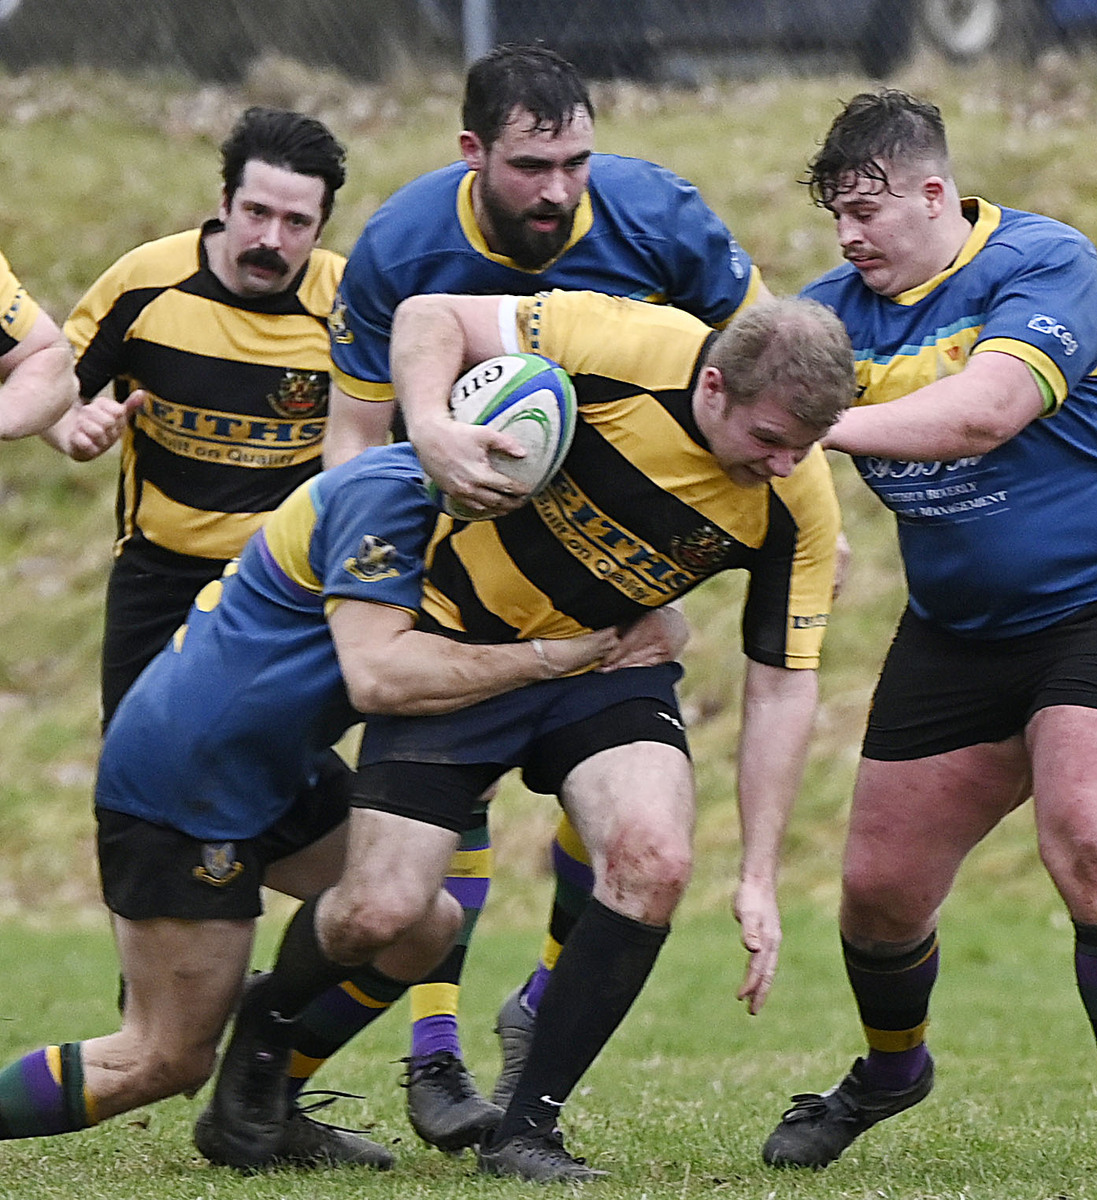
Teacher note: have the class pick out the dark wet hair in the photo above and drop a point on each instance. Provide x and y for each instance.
(875, 126)
(285, 139)
(530, 77)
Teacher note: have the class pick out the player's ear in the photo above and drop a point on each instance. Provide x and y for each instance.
(223, 205)
(713, 392)
(935, 192)
(473, 150)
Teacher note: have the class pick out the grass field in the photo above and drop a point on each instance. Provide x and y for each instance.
(679, 1106)
(681, 1102)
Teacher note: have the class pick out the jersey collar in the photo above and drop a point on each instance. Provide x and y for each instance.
(584, 219)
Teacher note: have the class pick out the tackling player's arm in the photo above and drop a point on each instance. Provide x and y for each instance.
(435, 338)
(391, 668)
(973, 412)
(90, 429)
(37, 382)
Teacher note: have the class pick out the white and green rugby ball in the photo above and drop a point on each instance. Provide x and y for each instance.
(528, 397)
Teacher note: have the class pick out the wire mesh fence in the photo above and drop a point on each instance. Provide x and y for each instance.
(655, 40)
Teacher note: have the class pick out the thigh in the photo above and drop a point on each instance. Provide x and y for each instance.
(392, 861)
(911, 825)
(183, 978)
(308, 871)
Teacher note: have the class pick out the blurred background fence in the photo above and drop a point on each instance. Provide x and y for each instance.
(676, 41)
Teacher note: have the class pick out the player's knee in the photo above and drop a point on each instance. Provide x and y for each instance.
(368, 923)
(655, 868)
(1071, 861)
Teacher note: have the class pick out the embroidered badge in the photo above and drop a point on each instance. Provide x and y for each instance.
(337, 323)
(375, 560)
(703, 550)
(219, 864)
(300, 394)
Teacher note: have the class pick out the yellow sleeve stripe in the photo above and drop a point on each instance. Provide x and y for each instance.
(362, 389)
(1042, 366)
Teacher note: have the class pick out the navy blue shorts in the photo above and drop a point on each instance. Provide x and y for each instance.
(938, 692)
(434, 769)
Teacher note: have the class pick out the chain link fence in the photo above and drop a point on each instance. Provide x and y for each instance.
(679, 41)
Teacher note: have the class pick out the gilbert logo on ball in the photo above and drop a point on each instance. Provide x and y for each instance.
(528, 397)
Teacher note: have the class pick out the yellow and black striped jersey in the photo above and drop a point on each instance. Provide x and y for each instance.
(238, 390)
(17, 309)
(641, 511)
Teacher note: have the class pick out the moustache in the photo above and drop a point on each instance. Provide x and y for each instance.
(265, 259)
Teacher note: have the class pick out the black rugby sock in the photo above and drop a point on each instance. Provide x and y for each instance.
(601, 970)
(301, 972)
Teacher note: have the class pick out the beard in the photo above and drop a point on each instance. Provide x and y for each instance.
(529, 248)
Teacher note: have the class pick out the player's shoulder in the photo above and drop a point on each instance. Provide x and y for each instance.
(161, 262)
(1031, 233)
(413, 216)
(837, 282)
(324, 273)
(423, 194)
(617, 178)
(615, 167)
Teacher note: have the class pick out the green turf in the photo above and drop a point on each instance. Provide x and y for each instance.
(681, 1101)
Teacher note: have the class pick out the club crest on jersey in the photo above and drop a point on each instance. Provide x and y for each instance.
(300, 394)
(703, 550)
(375, 560)
(219, 864)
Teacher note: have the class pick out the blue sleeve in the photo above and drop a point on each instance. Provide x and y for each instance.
(362, 318)
(1047, 301)
(711, 272)
(371, 540)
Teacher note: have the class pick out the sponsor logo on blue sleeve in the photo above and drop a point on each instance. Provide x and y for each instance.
(1042, 323)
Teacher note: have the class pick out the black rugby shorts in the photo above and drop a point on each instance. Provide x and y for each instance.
(938, 692)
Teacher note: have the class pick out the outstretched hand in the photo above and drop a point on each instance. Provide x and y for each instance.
(760, 925)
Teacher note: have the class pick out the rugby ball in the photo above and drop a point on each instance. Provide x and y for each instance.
(528, 397)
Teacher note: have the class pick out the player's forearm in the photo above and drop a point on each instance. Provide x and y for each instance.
(426, 354)
(59, 434)
(353, 425)
(961, 416)
(37, 392)
(423, 674)
(778, 713)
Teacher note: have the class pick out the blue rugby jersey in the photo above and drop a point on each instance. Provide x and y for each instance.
(1004, 543)
(223, 727)
(640, 231)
